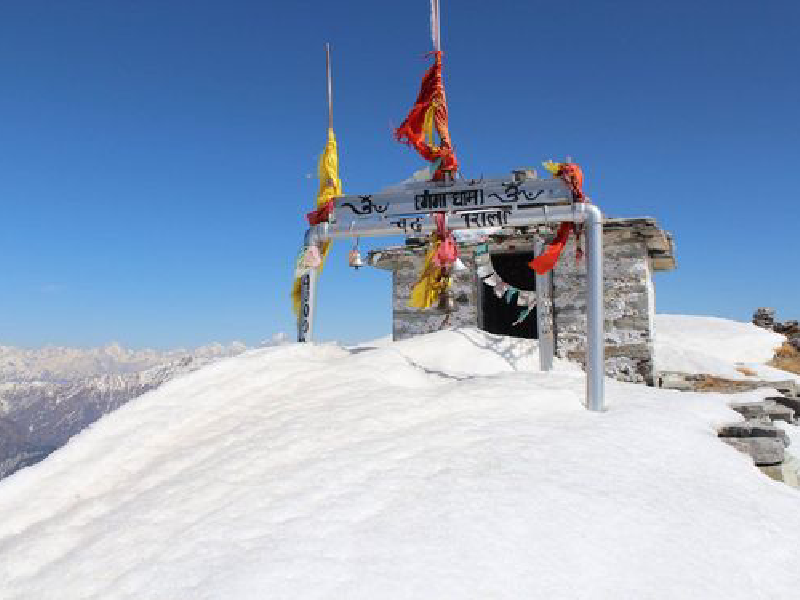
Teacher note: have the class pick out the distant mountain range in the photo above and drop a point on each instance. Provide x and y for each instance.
(49, 395)
(61, 365)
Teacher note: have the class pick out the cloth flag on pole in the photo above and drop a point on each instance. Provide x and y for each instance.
(428, 114)
(330, 186)
(572, 175)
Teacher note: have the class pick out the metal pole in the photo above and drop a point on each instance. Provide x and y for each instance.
(436, 32)
(308, 295)
(330, 89)
(305, 322)
(595, 356)
(438, 27)
(543, 314)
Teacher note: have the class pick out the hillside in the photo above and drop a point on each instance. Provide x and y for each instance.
(439, 467)
(51, 394)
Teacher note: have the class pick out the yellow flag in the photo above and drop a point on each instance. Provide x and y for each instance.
(551, 166)
(330, 186)
(431, 284)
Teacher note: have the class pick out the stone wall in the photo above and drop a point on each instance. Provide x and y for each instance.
(628, 305)
(408, 322)
(406, 265)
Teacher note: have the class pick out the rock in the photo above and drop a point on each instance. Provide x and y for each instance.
(788, 328)
(753, 428)
(764, 317)
(794, 341)
(788, 472)
(779, 412)
(769, 408)
(750, 410)
(763, 450)
(788, 388)
(793, 403)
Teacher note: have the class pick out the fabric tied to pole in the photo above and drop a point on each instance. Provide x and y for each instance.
(330, 186)
(429, 113)
(447, 253)
(571, 174)
(435, 278)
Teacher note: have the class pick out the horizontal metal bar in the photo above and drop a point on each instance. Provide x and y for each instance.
(478, 219)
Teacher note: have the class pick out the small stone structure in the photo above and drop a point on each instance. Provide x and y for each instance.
(632, 250)
(762, 440)
(765, 317)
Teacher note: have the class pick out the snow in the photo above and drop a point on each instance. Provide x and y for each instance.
(444, 466)
(715, 346)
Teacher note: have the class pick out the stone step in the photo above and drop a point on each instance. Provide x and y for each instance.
(750, 410)
(752, 428)
(764, 451)
(764, 442)
(769, 408)
(779, 412)
(793, 403)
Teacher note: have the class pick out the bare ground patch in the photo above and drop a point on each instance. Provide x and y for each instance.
(787, 358)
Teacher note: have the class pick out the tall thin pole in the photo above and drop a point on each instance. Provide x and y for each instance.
(436, 32)
(330, 92)
(308, 282)
(595, 316)
(544, 315)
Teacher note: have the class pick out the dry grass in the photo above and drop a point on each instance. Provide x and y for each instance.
(746, 371)
(787, 358)
(710, 383)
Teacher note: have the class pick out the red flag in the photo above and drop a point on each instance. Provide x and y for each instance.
(571, 174)
(430, 107)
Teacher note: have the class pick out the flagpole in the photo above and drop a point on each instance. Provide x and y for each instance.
(435, 26)
(330, 92)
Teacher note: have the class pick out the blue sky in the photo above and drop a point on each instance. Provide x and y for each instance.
(154, 154)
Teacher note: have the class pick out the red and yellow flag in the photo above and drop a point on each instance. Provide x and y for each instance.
(571, 174)
(429, 113)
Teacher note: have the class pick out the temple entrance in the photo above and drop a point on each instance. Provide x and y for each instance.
(497, 315)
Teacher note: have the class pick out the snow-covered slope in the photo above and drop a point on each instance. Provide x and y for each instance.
(422, 469)
(715, 346)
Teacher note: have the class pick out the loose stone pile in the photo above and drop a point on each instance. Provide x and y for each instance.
(765, 317)
(761, 439)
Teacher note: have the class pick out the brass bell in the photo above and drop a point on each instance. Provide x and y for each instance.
(354, 258)
(446, 302)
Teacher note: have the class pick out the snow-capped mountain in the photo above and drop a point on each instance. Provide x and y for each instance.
(58, 365)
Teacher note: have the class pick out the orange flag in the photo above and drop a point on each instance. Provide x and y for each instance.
(429, 112)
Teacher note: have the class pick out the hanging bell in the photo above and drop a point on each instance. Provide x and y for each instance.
(458, 265)
(446, 302)
(354, 258)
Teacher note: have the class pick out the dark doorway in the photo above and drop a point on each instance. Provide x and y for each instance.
(498, 316)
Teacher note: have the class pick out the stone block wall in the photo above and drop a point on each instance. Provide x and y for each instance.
(408, 322)
(628, 302)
